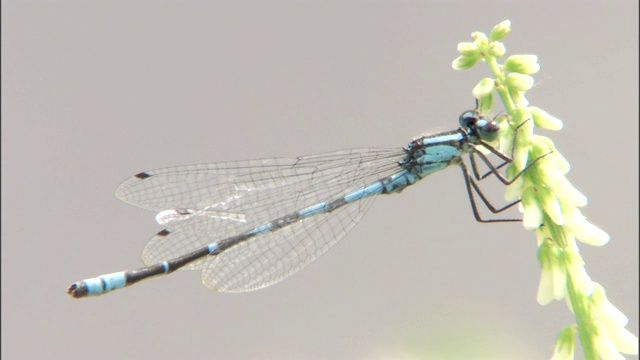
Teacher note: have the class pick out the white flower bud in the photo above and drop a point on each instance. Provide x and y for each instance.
(501, 30)
(522, 64)
(519, 82)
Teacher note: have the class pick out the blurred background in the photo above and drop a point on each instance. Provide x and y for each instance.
(95, 92)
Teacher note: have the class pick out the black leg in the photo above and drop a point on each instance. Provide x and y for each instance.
(494, 169)
(506, 159)
(476, 173)
(471, 186)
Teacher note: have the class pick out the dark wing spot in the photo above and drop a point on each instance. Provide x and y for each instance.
(142, 175)
(164, 232)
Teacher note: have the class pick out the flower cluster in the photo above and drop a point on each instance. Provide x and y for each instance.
(550, 204)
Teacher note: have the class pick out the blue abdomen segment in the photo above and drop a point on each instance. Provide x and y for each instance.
(101, 284)
(314, 210)
(373, 189)
(107, 283)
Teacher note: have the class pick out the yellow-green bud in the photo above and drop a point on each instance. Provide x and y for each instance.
(480, 39)
(468, 49)
(483, 88)
(565, 345)
(532, 217)
(464, 62)
(550, 205)
(496, 48)
(523, 64)
(543, 120)
(501, 30)
(519, 82)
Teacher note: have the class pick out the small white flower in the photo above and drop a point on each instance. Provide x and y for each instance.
(613, 321)
(501, 30)
(565, 345)
(496, 48)
(604, 311)
(561, 163)
(519, 81)
(624, 341)
(553, 277)
(543, 120)
(532, 217)
(522, 64)
(483, 88)
(468, 49)
(559, 272)
(485, 104)
(550, 205)
(553, 178)
(513, 191)
(546, 288)
(589, 234)
(578, 198)
(480, 39)
(604, 346)
(577, 224)
(550, 176)
(463, 62)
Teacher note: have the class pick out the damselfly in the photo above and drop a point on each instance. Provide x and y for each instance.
(249, 224)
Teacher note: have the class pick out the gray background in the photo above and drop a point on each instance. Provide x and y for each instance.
(95, 92)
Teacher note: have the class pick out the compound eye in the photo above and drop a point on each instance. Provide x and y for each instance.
(488, 129)
(468, 119)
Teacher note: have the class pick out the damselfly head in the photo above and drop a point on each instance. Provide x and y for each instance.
(476, 123)
(488, 129)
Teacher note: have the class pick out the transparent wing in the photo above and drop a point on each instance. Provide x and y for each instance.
(274, 256)
(201, 204)
(242, 184)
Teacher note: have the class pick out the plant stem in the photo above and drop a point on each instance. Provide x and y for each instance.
(509, 106)
(579, 302)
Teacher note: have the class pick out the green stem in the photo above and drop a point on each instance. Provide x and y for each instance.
(509, 106)
(578, 301)
(580, 308)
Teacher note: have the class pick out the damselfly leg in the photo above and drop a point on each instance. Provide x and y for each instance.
(471, 181)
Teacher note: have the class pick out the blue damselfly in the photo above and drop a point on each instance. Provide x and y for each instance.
(249, 224)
